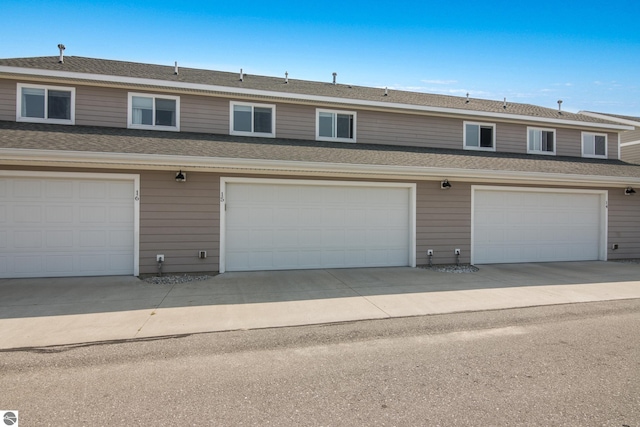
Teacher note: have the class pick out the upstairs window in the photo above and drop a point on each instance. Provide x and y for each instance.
(479, 136)
(335, 125)
(253, 119)
(594, 145)
(541, 141)
(46, 104)
(161, 112)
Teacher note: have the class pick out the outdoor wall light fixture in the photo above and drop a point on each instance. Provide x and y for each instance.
(629, 191)
(181, 176)
(445, 185)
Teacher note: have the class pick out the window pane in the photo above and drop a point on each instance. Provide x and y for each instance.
(59, 105)
(32, 102)
(600, 145)
(142, 110)
(535, 140)
(165, 112)
(588, 142)
(325, 124)
(547, 141)
(472, 136)
(486, 137)
(262, 120)
(241, 118)
(345, 126)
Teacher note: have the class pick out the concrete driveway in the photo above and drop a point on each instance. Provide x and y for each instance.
(46, 312)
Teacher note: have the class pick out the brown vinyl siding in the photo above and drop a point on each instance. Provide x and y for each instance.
(511, 138)
(568, 142)
(624, 225)
(7, 100)
(630, 136)
(374, 127)
(178, 219)
(631, 153)
(443, 222)
(204, 114)
(97, 106)
(612, 149)
(295, 121)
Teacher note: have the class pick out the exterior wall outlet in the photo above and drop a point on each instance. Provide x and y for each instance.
(202, 254)
(159, 258)
(456, 251)
(614, 246)
(429, 252)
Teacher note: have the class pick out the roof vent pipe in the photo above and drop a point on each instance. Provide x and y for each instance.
(175, 69)
(559, 106)
(467, 101)
(504, 104)
(62, 48)
(334, 77)
(286, 77)
(241, 75)
(386, 91)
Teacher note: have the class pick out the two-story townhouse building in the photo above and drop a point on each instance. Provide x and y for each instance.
(107, 166)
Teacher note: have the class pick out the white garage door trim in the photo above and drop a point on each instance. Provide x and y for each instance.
(135, 178)
(604, 195)
(409, 186)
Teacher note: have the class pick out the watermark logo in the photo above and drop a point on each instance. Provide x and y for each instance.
(9, 418)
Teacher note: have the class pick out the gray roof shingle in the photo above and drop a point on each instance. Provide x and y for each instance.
(98, 140)
(77, 64)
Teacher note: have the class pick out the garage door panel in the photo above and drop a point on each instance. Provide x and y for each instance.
(27, 239)
(27, 214)
(59, 264)
(59, 189)
(316, 226)
(26, 189)
(93, 239)
(59, 239)
(536, 226)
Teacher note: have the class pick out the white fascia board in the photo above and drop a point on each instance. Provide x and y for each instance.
(296, 96)
(635, 123)
(221, 164)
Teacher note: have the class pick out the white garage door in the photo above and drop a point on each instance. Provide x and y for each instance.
(66, 227)
(518, 225)
(276, 226)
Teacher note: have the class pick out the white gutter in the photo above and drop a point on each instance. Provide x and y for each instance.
(295, 96)
(222, 164)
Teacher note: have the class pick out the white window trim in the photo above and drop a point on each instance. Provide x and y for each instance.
(595, 156)
(336, 112)
(130, 123)
(252, 133)
(19, 118)
(547, 153)
(464, 136)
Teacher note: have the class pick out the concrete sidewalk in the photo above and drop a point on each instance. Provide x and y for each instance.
(45, 312)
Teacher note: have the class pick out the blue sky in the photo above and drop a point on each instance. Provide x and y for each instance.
(587, 53)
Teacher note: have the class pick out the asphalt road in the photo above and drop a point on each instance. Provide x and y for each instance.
(574, 365)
